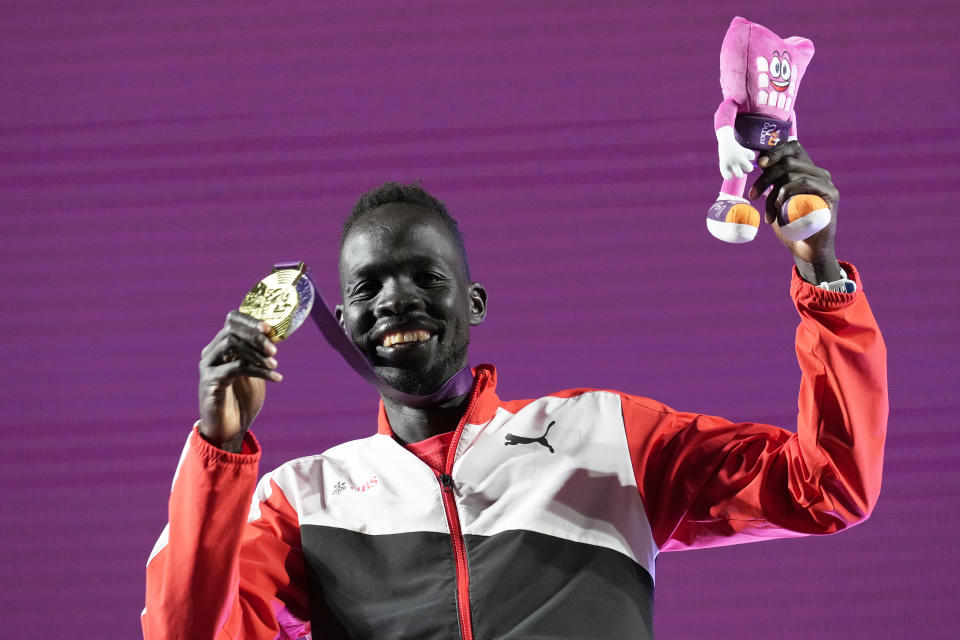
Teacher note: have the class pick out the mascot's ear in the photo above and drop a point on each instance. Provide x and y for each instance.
(803, 50)
(800, 44)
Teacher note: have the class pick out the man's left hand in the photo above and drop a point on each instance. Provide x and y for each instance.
(789, 171)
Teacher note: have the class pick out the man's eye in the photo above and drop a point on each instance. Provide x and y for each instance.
(364, 290)
(427, 279)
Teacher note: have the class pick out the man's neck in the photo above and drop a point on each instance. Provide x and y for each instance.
(411, 424)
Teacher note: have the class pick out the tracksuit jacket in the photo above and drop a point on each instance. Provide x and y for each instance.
(544, 522)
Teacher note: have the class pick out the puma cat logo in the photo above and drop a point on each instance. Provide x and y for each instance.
(512, 439)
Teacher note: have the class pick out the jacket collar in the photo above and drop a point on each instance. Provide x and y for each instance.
(485, 406)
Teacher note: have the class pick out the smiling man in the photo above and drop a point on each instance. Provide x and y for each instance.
(408, 302)
(476, 517)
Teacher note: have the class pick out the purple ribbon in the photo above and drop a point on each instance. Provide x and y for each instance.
(458, 385)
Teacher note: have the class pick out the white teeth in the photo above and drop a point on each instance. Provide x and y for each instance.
(403, 337)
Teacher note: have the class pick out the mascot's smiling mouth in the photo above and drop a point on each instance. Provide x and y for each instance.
(780, 85)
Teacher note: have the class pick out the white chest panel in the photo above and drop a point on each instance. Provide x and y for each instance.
(584, 490)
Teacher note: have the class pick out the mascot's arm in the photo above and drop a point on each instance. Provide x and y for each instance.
(735, 160)
(726, 113)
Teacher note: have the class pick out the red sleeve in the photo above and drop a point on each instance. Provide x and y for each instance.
(708, 482)
(222, 569)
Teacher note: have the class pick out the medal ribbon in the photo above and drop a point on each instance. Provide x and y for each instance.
(458, 385)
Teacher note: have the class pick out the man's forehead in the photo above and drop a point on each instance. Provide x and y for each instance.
(397, 217)
(410, 228)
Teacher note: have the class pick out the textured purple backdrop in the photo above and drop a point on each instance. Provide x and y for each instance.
(158, 157)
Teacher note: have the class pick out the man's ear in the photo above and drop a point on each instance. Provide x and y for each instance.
(338, 313)
(478, 303)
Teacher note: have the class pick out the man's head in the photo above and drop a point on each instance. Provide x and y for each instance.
(396, 193)
(408, 302)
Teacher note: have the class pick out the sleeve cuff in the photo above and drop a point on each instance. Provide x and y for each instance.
(249, 454)
(814, 298)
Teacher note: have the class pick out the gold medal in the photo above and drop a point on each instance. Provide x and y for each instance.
(283, 300)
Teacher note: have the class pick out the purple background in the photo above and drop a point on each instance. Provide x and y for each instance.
(157, 159)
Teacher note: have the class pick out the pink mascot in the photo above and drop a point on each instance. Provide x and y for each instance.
(760, 75)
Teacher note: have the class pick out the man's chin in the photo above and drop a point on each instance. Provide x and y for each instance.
(420, 372)
(418, 383)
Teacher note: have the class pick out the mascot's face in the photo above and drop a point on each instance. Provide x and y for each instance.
(761, 70)
(779, 68)
(774, 82)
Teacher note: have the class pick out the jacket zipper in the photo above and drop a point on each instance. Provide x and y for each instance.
(453, 521)
(459, 555)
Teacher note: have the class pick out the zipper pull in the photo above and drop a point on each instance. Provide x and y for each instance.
(446, 482)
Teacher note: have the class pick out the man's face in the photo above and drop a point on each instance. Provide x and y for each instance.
(407, 302)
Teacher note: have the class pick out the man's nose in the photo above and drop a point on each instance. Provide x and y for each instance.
(397, 298)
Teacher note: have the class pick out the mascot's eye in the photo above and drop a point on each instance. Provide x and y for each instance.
(775, 67)
(785, 71)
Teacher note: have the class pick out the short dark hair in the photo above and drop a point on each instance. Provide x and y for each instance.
(414, 194)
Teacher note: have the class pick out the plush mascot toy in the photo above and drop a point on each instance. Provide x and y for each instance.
(760, 75)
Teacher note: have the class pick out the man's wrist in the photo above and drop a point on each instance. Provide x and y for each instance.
(816, 272)
(233, 444)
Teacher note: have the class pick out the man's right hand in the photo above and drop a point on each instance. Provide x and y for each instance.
(233, 368)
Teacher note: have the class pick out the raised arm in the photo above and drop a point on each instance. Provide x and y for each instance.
(706, 481)
(228, 564)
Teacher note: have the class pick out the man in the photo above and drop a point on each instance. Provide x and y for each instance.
(524, 519)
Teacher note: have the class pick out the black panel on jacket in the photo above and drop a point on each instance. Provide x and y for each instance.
(530, 585)
(522, 585)
(383, 586)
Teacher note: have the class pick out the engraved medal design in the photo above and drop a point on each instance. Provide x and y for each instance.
(283, 300)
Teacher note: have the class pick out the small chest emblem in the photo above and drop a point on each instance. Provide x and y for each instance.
(512, 439)
(369, 485)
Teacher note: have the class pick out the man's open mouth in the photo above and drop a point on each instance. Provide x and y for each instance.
(404, 337)
(405, 347)
(404, 342)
